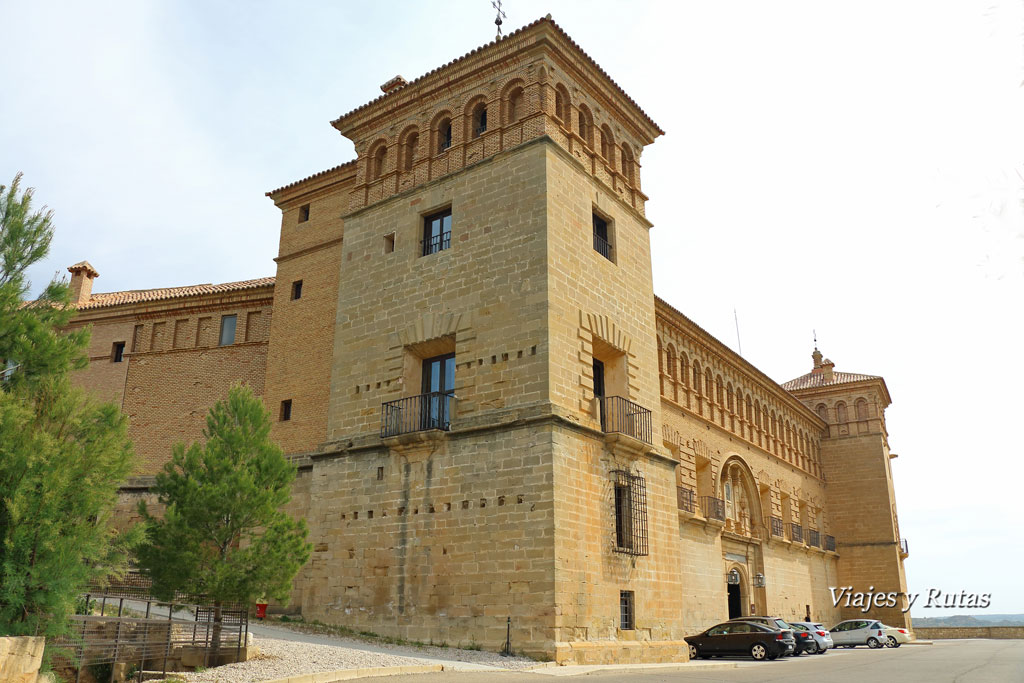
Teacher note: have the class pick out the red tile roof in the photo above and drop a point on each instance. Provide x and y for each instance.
(145, 295)
(544, 19)
(315, 175)
(817, 379)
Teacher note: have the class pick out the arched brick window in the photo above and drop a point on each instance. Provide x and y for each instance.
(757, 413)
(841, 415)
(607, 142)
(719, 391)
(750, 416)
(670, 361)
(684, 368)
(862, 409)
(627, 163)
(443, 134)
(708, 390)
(822, 411)
(377, 160)
(586, 127)
(515, 105)
(696, 377)
(729, 397)
(478, 120)
(562, 104)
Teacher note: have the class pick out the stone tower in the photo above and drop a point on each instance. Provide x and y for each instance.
(492, 447)
(855, 459)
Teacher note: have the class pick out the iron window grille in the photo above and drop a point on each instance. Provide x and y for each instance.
(630, 513)
(796, 533)
(830, 542)
(627, 613)
(713, 508)
(814, 538)
(777, 526)
(602, 244)
(437, 232)
(685, 498)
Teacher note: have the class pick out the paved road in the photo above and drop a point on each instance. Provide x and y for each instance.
(947, 661)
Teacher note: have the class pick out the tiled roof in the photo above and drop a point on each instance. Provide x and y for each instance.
(817, 379)
(315, 175)
(136, 296)
(544, 19)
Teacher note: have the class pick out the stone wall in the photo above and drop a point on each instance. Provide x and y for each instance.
(20, 659)
(947, 632)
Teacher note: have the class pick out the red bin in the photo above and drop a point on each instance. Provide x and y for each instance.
(261, 610)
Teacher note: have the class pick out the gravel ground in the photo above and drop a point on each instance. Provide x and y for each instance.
(282, 658)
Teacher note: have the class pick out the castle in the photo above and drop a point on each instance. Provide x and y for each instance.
(495, 420)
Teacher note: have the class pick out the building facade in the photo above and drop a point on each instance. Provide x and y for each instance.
(495, 419)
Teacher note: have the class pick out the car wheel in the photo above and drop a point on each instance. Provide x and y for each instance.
(758, 652)
(693, 651)
(873, 643)
(813, 649)
(890, 642)
(821, 651)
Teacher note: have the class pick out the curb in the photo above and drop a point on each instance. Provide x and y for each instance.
(583, 670)
(920, 642)
(351, 674)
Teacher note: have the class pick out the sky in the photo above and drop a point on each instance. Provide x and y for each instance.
(853, 169)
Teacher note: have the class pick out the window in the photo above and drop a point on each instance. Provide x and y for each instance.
(438, 389)
(586, 125)
(389, 243)
(117, 355)
(296, 290)
(627, 163)
(479, 119)
(515, 105)
(630, 513)
(627, 614)
(286, 410)
(562, 104)
(227, 329)
(444, 135)
(377, 163)
(437, 232)
(602, 243)
(410, 150)
(304, 213)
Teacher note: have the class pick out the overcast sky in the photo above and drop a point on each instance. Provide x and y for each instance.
(850, 168)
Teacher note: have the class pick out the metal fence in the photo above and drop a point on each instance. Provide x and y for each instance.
(625, 417)
(777, 526)
(713, 508)
(796, 533)
(686, 498)
(136, 629)
(416, 414)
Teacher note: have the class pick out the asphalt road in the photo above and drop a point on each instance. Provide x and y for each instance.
(952, 661)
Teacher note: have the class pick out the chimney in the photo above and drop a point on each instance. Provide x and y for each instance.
(826, 368)
(393, 85)
(82, 275)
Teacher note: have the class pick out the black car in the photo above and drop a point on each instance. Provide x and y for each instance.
(741, 638)
(804, 641)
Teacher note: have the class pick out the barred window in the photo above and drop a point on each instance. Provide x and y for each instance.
(627, 612)
(630, 513)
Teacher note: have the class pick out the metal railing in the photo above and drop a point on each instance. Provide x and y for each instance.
(602, 247)
(416, 414)
(713, 508)
(625, 417)
(796, 533)
(904, 548)
(436, 243)
(830, 542)
(686, 499)
(813, 538)
(777, 527)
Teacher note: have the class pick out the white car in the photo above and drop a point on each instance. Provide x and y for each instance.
(896, 636)
(854, 632)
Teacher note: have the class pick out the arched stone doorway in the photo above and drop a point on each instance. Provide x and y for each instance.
(737, 592)
(735, 601)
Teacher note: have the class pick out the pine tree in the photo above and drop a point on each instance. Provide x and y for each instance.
(62, 456)
(223, 533)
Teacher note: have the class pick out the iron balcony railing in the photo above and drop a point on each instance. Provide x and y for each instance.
(432, 245)
(416, 414)
(602, 247)
(904, 548)
(830, 542)
(796, 533)
(686, 499)
(813, 538)
(713, 508)
(625, 417)
(777, 527)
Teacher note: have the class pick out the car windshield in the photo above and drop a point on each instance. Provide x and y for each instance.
(799, 627)
(781, 624)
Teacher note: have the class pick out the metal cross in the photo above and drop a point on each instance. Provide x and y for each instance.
(496, 4)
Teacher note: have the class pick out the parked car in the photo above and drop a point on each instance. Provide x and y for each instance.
(854, 632)
(822, 638)
(801, 643)
(896, 636)
(741, 638)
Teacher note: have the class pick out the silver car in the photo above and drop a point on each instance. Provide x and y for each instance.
(854, 632)
(822, 638)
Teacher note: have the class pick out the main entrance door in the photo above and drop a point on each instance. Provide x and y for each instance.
(735, 601)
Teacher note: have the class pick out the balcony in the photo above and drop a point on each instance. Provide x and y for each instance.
(830, 543)
(796, 533)
(416, 414)
(713, 508)
(813, 538)
(686, 499)
(777, 527)
(602, 247)
(622, 416)
(904, 548)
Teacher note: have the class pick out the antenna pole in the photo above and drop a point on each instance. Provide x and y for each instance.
(736, 318)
